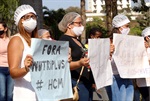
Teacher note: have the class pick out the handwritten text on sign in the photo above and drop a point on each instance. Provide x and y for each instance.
(130, 57)
(100, 61)
(50, 71)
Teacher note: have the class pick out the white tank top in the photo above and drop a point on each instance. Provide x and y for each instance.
(23, 90)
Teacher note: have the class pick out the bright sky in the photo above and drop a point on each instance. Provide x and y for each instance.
(56, 4)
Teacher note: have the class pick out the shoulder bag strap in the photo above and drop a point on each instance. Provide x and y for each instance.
(80, 75)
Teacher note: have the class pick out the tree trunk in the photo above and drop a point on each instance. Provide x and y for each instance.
(114, 8)
(83, 36)
(108, 15)
(37, 5)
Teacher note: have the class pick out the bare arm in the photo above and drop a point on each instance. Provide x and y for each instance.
(15, 51)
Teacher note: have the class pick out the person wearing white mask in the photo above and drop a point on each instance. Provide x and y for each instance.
(44, 34)
(121, 22)
(146, 35)
(122, 89)
(71, 25)
(145, 90)
(19, 59)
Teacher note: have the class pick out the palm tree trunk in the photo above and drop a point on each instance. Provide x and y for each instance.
(114, 8)
(108, 14)
(83, 36)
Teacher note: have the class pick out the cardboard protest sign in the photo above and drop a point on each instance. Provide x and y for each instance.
(50, 72)
(99, 54)
(130, 57)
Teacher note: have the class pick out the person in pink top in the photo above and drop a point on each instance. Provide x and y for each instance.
(6, 82)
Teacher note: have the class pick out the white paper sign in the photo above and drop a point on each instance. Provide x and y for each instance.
(50, 72)
(130, 57)
(99, 54)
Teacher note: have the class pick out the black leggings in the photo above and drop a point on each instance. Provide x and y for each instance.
(144, 92)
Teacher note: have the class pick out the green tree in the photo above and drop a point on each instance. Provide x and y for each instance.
(144, 19)
(7, 9)
(136, 31)
(51, 20)
(143, 6)
(97, 22)
(73, 9)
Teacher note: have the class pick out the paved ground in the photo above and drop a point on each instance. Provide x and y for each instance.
(100, 95)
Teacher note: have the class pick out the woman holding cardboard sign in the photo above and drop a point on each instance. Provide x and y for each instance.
(18, 50)
(143, 86)
(121, 89)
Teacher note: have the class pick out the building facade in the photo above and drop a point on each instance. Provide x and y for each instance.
(97, 8)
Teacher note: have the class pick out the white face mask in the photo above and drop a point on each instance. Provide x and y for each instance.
(125, 31)
(29, 25)
(78, 30)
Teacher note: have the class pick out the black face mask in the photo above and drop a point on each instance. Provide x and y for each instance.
(1, 32)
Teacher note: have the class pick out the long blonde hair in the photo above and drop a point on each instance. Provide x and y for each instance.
(25, 35)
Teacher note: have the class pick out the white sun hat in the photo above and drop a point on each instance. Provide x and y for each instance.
(21, 11)
(120, 20)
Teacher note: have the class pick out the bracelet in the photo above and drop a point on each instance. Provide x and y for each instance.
(27, 69)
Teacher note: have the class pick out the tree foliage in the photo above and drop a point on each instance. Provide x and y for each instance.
(53, 17)
(51, 20)
(7, 9)
(144, 19)
(97, 22)
(136, 31)
(143, 6)
(73, 9)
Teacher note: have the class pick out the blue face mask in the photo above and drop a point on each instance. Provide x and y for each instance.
(1, 32)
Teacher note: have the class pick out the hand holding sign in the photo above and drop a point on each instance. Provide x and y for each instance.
(50, 72)
(28, 62)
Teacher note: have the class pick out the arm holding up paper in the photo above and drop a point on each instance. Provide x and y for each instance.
(71, 26)
(121, 88)
(143, 83)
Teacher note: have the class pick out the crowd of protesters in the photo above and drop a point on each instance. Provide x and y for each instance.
(15, 62)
